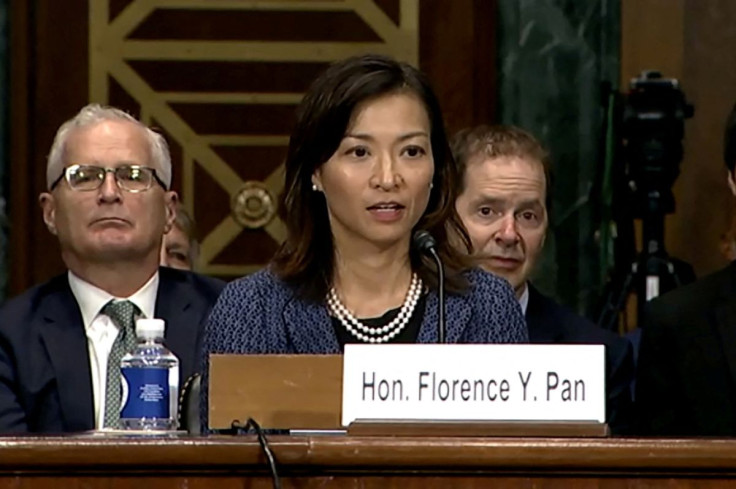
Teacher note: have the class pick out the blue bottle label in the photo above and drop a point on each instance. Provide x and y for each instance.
(145, 392)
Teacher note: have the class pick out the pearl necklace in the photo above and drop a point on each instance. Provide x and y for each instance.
(384, 333)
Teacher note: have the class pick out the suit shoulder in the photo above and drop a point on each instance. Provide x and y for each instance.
(21, 308)
(245, 316)
(483, 283)
(262, 286)
(678, 305)
(494, 304)
(549, 315)
(33, 297)
(585, 331)
(204, 286)
(490, 291)
(260, 281)
(207, 285)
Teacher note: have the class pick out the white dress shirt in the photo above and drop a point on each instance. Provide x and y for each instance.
(524, 299)
(101, 331)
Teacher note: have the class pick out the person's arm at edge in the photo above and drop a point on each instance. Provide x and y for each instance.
(12, 415)
(655, 400)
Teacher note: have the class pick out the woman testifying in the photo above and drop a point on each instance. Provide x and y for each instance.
(368, 164)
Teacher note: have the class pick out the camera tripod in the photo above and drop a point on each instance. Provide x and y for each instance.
(652, 273)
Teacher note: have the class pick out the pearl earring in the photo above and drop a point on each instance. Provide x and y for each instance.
(431, 185)
(314, 187)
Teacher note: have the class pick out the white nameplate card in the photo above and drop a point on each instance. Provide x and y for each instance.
(474, 382)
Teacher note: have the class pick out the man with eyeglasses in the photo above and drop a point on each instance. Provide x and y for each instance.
(109, 203)
(503, 202)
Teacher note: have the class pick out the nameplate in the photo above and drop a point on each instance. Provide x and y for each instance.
(474, 382)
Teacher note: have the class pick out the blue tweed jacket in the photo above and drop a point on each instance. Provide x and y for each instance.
(261, 314)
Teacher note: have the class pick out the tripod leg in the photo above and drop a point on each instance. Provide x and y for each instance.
(617, 300)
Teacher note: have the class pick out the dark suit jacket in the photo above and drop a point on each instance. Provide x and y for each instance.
(45, 379)
(549, 322)
(687, 363)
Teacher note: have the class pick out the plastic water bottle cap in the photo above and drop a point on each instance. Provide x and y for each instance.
(150, 328)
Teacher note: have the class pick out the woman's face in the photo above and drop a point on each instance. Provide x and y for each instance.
(377, 183)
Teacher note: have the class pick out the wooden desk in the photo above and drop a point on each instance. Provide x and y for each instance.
(365, 462)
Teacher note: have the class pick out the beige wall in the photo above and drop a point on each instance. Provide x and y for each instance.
(694, 41)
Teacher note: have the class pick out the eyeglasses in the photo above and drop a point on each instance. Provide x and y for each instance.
(132, 178)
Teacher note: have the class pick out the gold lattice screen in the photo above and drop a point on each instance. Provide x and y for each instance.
(221, 78)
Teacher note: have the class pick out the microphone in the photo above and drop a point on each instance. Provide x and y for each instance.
(426, 244)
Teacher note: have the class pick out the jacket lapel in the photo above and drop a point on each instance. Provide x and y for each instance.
(66, 343)
(541, 323)
(725, 314)
(180, 307)
(457, 315)
(309, 328)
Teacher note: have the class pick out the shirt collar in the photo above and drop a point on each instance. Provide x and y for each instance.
(524, 299)
(92, 299)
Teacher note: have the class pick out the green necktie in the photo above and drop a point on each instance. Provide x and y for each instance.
(123, 315)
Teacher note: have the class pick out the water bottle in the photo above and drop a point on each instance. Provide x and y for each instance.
(150, 381)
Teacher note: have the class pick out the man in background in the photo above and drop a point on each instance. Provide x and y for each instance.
(180, 248)
(686, 382)
(504, 202)
(109, 203)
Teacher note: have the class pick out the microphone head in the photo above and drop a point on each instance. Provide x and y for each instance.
(424, 241)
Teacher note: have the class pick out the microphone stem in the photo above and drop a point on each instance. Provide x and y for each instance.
(441, 296)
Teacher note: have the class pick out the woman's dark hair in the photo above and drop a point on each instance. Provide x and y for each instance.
(306, 259)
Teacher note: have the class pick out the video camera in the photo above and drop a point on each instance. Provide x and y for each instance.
(652, 128)
(648, 133)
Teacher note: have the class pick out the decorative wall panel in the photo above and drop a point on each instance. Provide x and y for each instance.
(221, 80)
